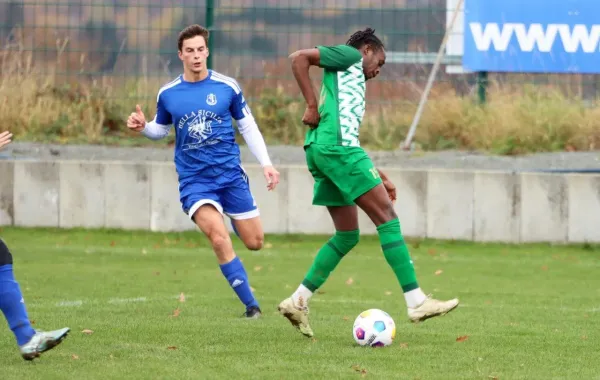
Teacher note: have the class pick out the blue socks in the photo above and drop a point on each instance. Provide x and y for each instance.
(236, 275)
(13, 306)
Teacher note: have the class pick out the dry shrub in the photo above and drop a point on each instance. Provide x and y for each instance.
(43, 105)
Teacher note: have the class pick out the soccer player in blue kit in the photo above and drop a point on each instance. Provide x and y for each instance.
(201, 104)
(31, 343)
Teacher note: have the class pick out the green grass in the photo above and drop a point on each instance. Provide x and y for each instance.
(529, 312)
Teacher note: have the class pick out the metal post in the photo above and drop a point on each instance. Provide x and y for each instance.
(210, 17)
(482, 83)
(432, 75)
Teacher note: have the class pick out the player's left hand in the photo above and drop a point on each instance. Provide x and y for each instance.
(5, 138)
(390, 188)
(272, 177)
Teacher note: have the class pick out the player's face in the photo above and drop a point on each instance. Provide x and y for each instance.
(193, 54)
(373, 61)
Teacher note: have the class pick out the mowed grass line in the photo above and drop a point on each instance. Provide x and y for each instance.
(527, 312)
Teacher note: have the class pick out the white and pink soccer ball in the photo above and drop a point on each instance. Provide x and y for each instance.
(374, 328)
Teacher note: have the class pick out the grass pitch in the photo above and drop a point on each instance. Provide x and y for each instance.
(155, 306)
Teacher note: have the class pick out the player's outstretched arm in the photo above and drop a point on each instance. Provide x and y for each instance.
(152, 130)
(5, 138)
(256, 143)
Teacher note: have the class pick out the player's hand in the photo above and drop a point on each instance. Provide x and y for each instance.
(136, 121)
(311, 117)
(272, 177)
(390, 188)
(5, 138)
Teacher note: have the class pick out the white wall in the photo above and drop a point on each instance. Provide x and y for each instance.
(446, 204)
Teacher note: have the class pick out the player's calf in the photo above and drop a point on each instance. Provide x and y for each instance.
(210, 222)
(5, 255)
(251, 233)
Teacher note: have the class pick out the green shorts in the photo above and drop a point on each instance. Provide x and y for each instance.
(341, 174)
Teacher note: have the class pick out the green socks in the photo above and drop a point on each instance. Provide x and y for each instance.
(396, 254)
(329, 257)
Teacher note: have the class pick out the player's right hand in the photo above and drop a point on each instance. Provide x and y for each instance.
(136, 121)
(5, 138)
(311, 117)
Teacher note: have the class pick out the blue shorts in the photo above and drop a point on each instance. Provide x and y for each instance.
(230, 194)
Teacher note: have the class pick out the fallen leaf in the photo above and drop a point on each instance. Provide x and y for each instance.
(74, 357)
(349, 281)
(156, 246)
(488, 302)
(320, 291)
(32, 322)
(314, 340)
(172, 348)
(584, 337)
(359, 369)
(182, 297)
(346, 318)
(176, 313)
(257, 268)
(404, 345)
(112, 243)
(268, 245)
(544, 267)
(462, 338)
(432, 252)
(493, 377)
(88, 332)
(388, 293)
(438, 272)
(157, 273)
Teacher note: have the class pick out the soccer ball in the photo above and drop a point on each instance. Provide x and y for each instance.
(374, 328)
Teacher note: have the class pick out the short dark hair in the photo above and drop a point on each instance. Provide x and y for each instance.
(191, 32)
(365, 37)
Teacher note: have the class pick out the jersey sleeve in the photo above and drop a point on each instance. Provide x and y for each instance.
(163, 117)
(339, 57)
(238, 108)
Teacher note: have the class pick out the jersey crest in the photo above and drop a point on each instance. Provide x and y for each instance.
(211, 99)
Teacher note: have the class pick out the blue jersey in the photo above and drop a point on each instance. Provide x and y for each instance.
(202, 114)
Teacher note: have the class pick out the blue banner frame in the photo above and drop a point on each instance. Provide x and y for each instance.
(532, 36)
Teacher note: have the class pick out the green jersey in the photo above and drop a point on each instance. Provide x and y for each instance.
(342, 98)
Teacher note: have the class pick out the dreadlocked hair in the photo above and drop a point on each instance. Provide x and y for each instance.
(365, 37)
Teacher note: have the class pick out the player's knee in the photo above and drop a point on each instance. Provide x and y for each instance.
(219, 241)
(255, 242)
(5, 255)
(347, 239)
(389, 211)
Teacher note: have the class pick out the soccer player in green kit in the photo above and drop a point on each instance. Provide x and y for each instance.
(345, 176)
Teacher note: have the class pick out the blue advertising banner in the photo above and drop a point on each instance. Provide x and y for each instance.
(543, 36)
